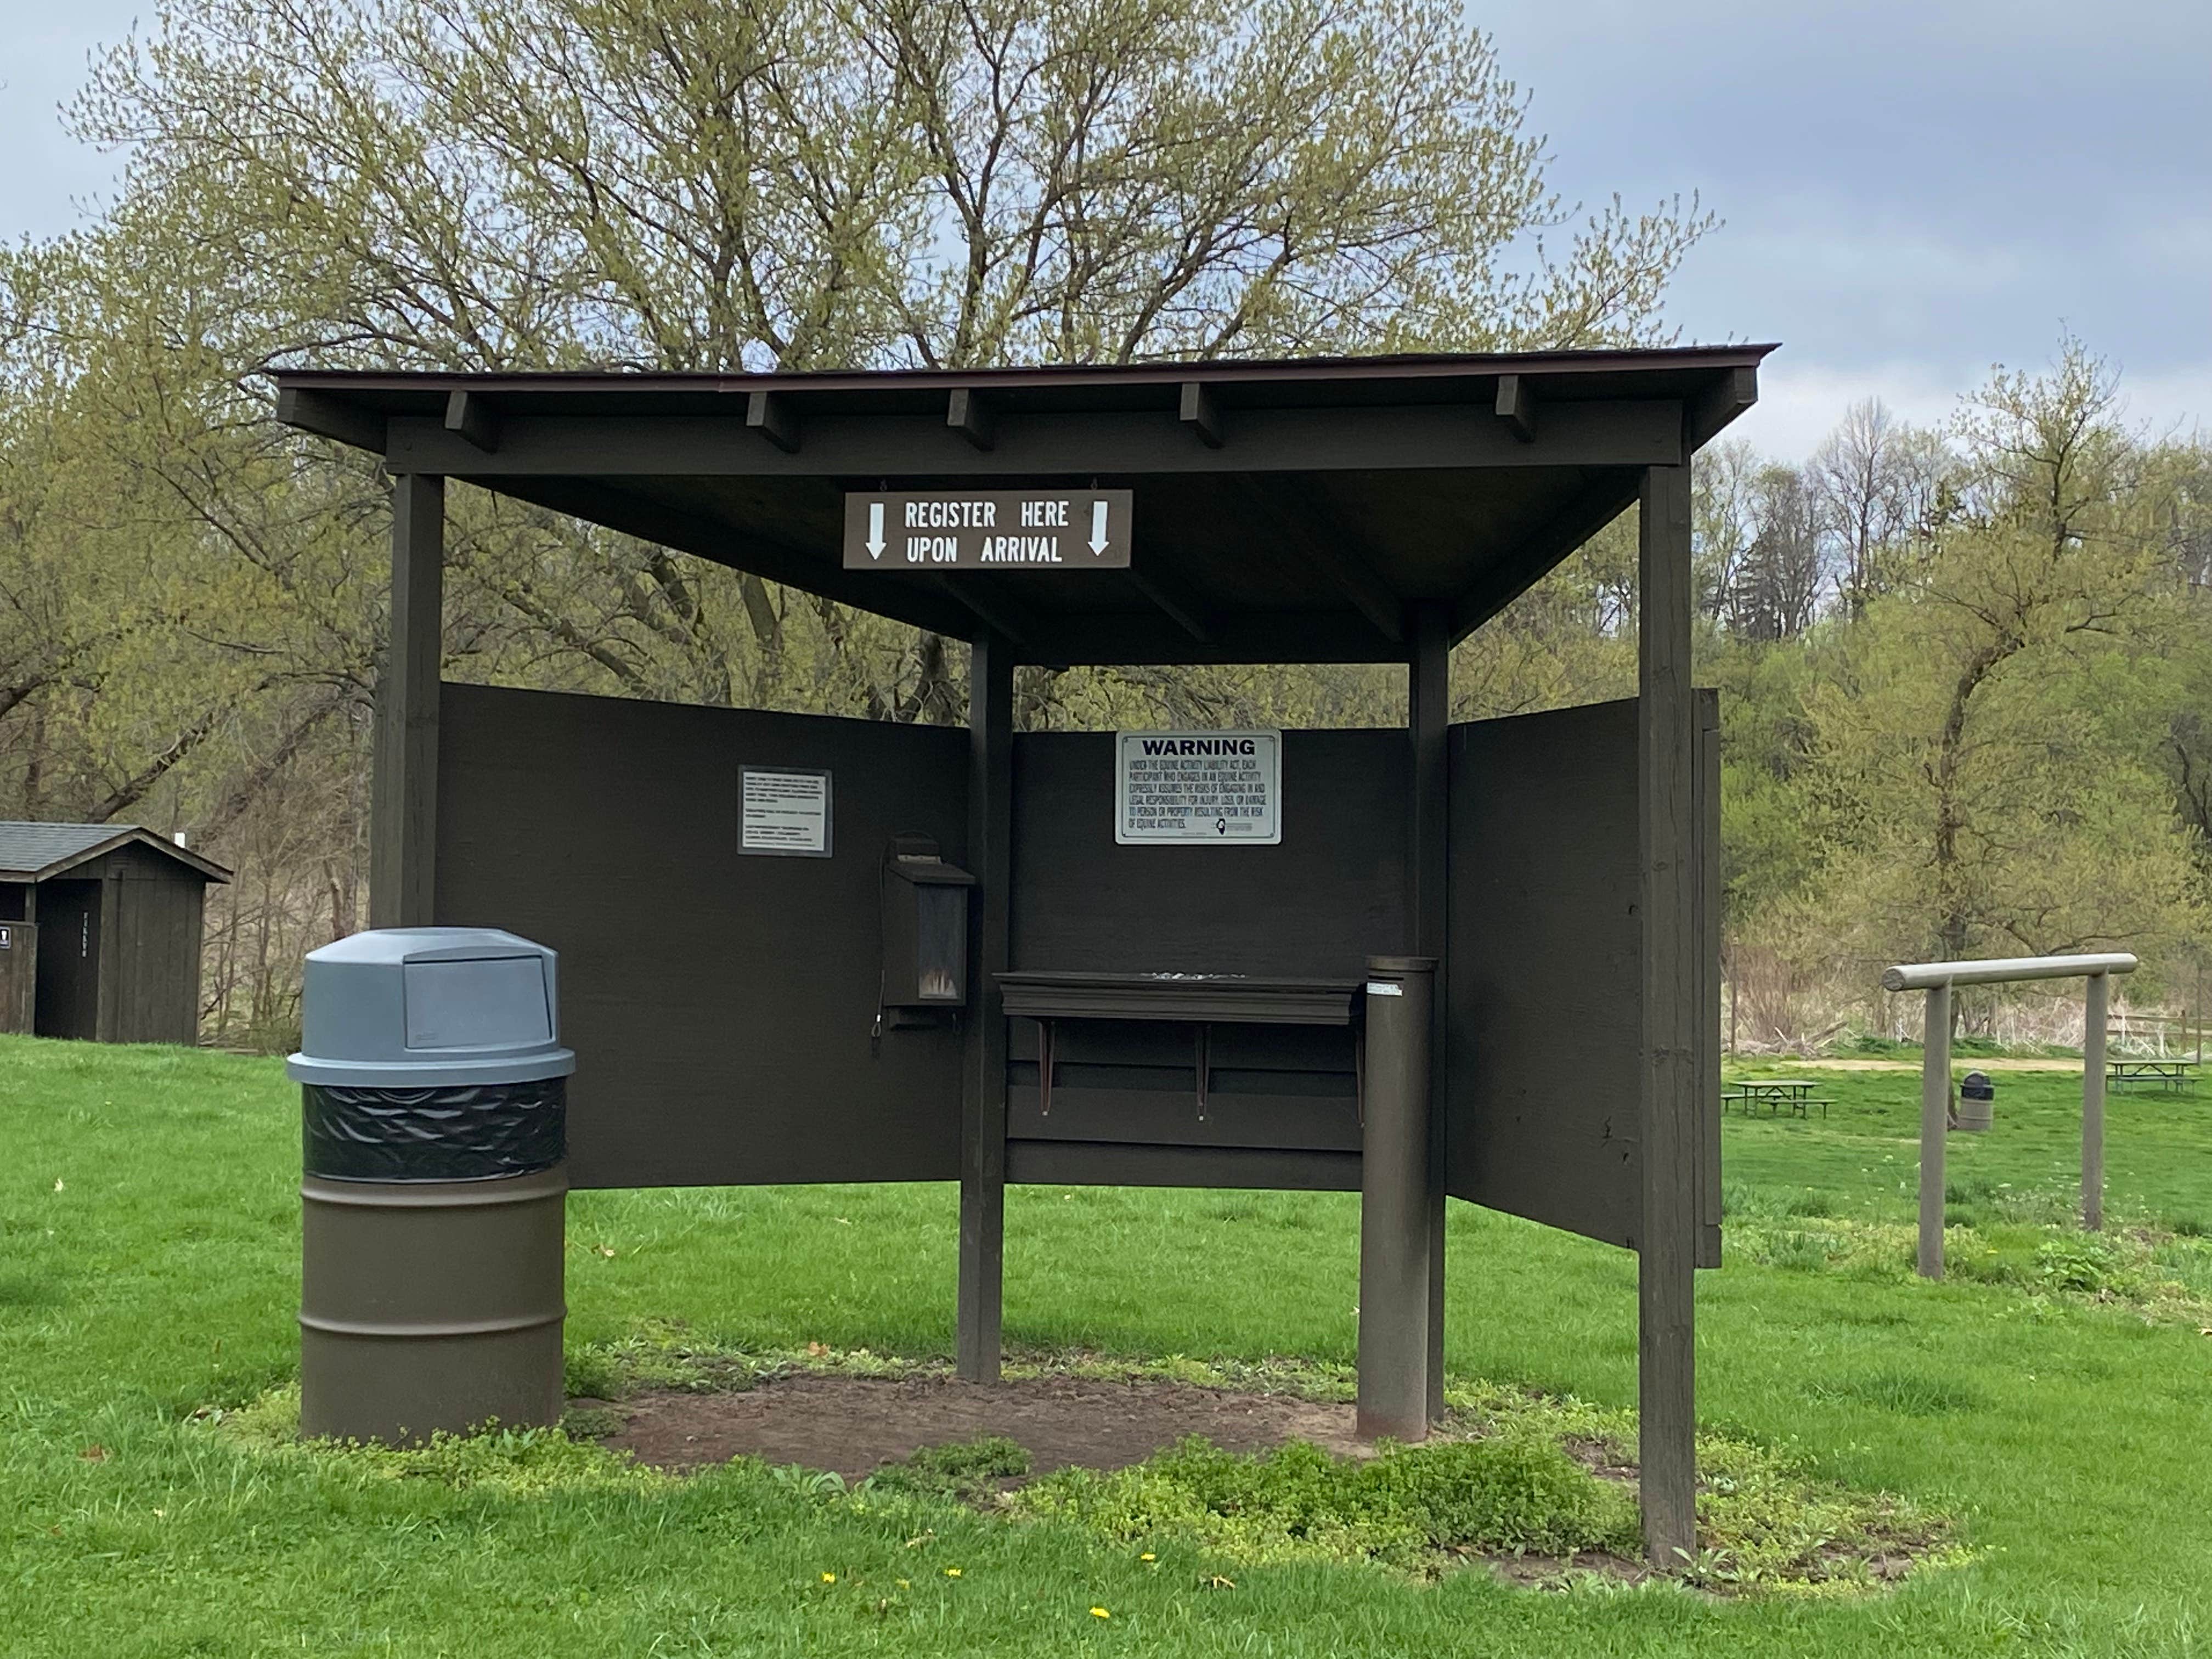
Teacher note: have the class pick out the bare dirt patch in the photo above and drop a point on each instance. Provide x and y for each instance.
(1545, 1571)
(855, 1424)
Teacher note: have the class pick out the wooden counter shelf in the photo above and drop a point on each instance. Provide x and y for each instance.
(1223, 999)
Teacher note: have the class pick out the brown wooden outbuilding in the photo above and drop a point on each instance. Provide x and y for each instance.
(103, 926)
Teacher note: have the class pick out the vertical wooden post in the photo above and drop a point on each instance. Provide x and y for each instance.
(1935, 1124)
(1667, 1241)
(1427, 865)
(2095, 1011)
(984, 1122)
(403, 812)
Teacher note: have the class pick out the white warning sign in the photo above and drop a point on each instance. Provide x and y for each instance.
(1198, 785)
(784, 811)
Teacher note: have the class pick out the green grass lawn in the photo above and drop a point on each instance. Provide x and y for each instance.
(148, 1200)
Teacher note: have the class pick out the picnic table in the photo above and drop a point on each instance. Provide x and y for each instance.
(2165, 1073)
(1778, 1094)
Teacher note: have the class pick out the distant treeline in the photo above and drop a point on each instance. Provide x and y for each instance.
(1968, 671)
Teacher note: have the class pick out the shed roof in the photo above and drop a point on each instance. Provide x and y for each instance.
(1286, 512)
(39, 852)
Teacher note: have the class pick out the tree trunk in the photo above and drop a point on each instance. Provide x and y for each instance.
(1952, 911)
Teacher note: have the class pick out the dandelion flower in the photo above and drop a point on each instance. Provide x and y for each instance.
(902, 1585)
(1100, 1613)
(829, 1577)
(952, 1572)
(1148, 1556)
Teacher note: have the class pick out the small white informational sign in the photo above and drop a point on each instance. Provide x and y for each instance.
(1224, 787)
(783, 811)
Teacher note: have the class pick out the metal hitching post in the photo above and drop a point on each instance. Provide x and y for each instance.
(1394, 1202)
(2094, 1011)
(1935, 1120)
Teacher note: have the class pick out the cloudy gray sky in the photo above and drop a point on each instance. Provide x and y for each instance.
(1913, 192)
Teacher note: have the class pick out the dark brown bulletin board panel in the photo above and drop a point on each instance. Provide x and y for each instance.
(1544, 1000)
(719, 1004)
(1332, 895)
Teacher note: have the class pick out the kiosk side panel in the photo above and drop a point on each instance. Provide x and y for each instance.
(719, 1002)
(1543, 1004)
(1710, 894)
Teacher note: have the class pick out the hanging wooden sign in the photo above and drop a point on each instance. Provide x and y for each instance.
(988, 529)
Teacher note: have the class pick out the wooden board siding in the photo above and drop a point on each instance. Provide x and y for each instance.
(720, 1005)
(1332, 895)
(1544, 1000)
(155, 969)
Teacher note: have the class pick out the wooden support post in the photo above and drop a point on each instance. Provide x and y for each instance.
(2095, 1011)
(1935, 1124)
(1667, 1241)
(1429, 721)
(983, 1121)
(402, 815)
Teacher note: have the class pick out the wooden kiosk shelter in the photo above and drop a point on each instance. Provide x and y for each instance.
(1128, 1011)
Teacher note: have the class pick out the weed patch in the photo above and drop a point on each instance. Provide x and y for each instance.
(1408, 1507)
(968, 1472)
(1767, 1520)
(512, 1462)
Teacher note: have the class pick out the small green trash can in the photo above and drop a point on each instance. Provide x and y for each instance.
(1976, 1108)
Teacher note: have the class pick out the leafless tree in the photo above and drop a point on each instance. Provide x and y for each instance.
(1724, 515)
(1877, 487)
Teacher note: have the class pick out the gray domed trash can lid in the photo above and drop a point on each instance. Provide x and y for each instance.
(431, 1054)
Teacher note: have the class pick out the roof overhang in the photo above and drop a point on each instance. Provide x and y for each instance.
(1285, 511)
(125, 835)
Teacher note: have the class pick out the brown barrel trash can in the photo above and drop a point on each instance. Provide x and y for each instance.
(428, 1306)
